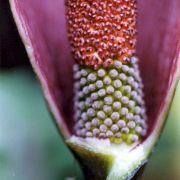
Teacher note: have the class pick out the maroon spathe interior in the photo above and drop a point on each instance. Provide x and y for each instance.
(158, 50)
(159, 31)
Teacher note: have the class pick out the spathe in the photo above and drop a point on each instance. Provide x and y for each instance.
(42, 28)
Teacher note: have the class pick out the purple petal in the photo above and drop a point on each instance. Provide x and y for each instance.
(159, 50)
(42, 27)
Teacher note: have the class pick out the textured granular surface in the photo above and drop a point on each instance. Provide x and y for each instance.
(101, 31)
(109, 103)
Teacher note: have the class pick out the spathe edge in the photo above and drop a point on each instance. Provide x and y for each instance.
(21, 26)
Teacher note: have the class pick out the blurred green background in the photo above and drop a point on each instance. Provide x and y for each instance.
(32, 149)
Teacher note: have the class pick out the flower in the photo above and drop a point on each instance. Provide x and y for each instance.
(43, 31)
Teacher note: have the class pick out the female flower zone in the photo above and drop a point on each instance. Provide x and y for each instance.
(125, 63)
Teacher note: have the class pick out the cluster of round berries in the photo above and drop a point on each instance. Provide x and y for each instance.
(100, 31)
(109, 103)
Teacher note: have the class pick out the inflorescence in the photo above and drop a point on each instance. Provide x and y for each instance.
(101, 31)
(109, 103)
